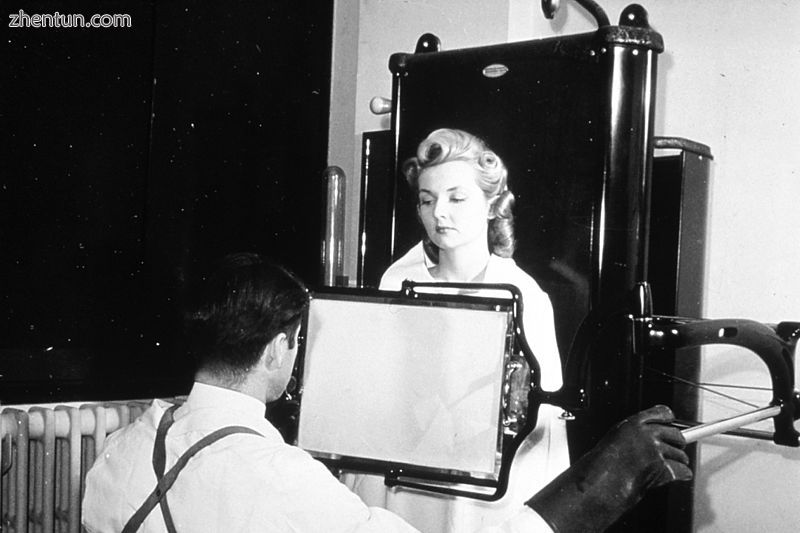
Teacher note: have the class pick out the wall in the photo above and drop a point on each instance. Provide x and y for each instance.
(728, 78)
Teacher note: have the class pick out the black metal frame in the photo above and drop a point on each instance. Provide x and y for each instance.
(588, 388)
(592, 384)
(430, 479)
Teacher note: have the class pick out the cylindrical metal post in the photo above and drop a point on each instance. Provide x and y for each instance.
(333, 239)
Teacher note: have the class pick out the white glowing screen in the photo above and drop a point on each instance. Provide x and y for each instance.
(404, 383)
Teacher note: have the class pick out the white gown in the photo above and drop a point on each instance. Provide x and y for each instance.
(541, 457)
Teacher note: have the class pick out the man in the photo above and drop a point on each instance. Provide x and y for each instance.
(216, 464)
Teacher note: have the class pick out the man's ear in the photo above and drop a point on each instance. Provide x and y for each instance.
(275, 352)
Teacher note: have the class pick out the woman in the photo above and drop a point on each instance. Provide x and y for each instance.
(465, 207)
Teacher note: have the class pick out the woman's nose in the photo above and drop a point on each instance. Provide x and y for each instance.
(439, 209)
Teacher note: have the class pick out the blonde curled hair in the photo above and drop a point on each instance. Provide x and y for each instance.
(446, 145)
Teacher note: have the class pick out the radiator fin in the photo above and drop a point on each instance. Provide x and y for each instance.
(46, 451)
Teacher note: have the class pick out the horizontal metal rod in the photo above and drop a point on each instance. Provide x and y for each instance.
(759, 434)
(696, 433)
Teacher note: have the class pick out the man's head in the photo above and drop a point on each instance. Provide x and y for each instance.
(243, 322)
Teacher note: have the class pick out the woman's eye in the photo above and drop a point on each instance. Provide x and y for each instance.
(425, 202)
(458, 199)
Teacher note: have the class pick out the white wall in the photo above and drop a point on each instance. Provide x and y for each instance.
(729, 78)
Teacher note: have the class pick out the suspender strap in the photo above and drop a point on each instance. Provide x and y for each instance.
(165, 481)
(160, 463)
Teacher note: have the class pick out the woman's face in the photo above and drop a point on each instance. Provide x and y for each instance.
(453, 209)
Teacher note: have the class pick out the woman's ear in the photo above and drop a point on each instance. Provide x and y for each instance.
(492, 214)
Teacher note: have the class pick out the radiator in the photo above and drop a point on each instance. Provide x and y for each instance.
(46, 452)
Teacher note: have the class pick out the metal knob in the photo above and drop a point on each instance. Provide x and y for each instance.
(380, 105)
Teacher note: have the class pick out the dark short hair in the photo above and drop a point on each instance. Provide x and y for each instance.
(238, 309)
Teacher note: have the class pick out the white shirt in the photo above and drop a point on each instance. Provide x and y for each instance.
(242, 483)
(541, 457)
(537, 316)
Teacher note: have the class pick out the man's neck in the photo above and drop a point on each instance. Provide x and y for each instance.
(249, 386)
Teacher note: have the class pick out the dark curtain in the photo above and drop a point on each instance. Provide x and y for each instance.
(130, 159)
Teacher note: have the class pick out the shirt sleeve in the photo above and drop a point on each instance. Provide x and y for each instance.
(305, 496)
(390, 281)
(327, 501)
(540, 330)
(526, 521)
(411, 266)
(330, 502)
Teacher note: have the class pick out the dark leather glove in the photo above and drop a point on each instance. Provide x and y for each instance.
(640, 453)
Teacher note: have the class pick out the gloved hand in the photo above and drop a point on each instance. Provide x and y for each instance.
(640, 453)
